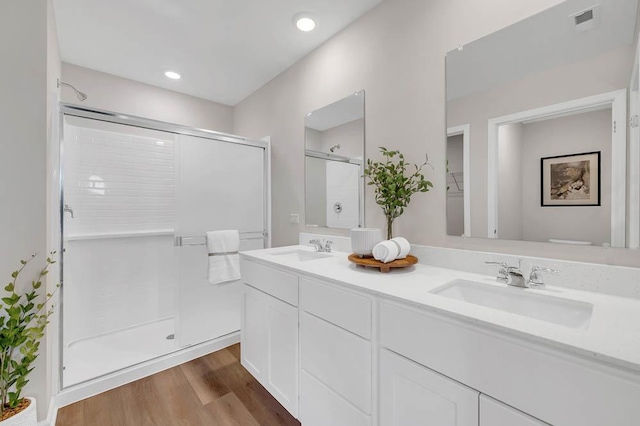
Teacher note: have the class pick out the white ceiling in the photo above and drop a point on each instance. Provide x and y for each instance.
(224, 49)
(541, 42)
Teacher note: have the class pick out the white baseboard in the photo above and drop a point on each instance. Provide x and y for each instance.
(102, 384)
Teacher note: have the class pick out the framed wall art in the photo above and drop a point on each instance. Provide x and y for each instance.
(571, 180)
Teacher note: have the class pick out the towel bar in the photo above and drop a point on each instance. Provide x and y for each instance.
(202, 240)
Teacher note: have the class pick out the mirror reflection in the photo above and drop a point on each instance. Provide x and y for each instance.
(537, 128)
(334, 153)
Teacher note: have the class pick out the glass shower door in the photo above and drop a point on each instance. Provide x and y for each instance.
(220, 185)
(118, 261)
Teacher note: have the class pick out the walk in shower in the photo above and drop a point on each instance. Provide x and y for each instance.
(138, 198)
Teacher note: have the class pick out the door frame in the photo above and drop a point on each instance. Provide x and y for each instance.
(617, 100)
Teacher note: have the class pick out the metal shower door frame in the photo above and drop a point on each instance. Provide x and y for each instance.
(67, 109)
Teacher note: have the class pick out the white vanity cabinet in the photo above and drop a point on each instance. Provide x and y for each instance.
(411, 394)
(335, 356)
(555, 387)
(339, 356)
(269, 335)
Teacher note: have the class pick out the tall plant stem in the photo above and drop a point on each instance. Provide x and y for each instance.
(389, 227)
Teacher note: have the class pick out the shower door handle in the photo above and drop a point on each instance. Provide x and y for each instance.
(68, 209)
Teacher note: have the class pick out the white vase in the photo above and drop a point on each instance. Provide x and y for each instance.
(364, 239)
(26, 417)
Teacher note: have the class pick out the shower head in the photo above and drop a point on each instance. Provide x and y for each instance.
(335, 147)
(81, 96)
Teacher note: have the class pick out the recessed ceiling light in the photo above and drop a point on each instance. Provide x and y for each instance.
(173, 75)
(304, 21)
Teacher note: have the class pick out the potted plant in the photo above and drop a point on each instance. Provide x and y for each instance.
(394, 186)
(22, 322)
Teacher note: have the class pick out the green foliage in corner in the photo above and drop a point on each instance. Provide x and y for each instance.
(24, 318)
(395, 182)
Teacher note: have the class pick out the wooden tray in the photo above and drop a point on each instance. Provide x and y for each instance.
(370, 262)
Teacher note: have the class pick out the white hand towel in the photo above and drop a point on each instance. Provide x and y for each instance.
(224, 260)
(404, 245)
(386, 251)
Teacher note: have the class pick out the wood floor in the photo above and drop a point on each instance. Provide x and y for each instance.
(213, 390)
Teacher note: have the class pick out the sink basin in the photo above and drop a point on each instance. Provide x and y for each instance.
(301, 255)
(519, 301)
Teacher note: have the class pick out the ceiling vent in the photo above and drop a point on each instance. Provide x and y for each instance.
(586, 19)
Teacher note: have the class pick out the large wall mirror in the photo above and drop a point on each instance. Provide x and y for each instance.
(538, 142)
(334, 161)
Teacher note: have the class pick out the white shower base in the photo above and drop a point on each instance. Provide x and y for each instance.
(96, 356)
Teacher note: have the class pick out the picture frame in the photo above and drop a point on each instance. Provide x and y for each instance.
(571, 180)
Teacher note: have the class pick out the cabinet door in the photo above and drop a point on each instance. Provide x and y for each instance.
(282, 349)
(495, 413)
(253, 335)
(270, 345)
(321, 406)
(411, 395)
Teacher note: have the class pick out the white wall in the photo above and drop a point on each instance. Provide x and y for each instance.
(27, 42)
(587, 132)
(396, 54)
(52, 343)
(350, 137)
(112, 93)
(510, 181)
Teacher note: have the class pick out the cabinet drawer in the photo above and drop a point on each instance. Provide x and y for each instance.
(495, 413)
(345, 309)
(320, 406)
(550, 385)
(280, 284)
(339, 359)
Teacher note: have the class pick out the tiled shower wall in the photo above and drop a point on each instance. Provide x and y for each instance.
(119, 262)
(116, 182)
(343, 180)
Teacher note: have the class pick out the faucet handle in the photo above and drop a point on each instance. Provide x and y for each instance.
(503, 272)
(535, 277)
(327, 246)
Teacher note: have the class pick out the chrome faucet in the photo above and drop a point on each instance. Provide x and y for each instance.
(511, 275)
(515, 277)
(322, 248)
(317, 244)
(536, 279)
(68, 209)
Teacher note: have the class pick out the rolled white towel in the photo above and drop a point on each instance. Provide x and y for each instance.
(386, 251)
(404, 245)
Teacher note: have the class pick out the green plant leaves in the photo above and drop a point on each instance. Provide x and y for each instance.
(20, 332)
(393, 185)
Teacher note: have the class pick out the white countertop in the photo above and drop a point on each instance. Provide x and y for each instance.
(613, 334)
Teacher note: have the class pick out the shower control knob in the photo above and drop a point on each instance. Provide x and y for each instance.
(337, 207)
